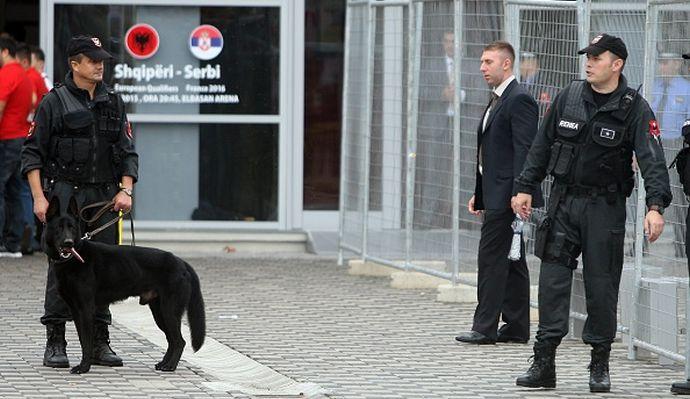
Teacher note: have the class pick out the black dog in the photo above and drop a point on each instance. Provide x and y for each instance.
(91, 274)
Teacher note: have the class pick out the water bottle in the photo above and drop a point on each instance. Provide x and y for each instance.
(515, 246)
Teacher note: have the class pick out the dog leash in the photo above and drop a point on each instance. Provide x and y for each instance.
(103, 207)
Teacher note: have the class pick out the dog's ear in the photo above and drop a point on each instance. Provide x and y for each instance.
(73, 208)
(53, 208)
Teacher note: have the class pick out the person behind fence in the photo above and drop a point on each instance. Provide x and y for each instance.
(433, 191)
(671, 104)
(504, 136)
(535, 82)
(80, 146)
(682, 163)
(586, 143)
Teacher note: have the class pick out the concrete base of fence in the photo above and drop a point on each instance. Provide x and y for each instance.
(361, 268)
(460, 293)
(369, 268)
(415, 281)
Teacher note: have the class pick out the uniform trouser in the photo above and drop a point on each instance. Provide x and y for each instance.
(11, 226)
(595, 228)
(56, 310)
(503, 285)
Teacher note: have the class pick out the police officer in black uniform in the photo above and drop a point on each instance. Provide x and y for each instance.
(80, 146)
(683, 387)
(586, 142)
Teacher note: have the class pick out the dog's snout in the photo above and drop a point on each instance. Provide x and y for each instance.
(68, 243)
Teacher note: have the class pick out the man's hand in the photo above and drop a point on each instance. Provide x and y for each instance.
(470, 207)
(522, 205)
(653, 225)
(40, 207)
(123, 202)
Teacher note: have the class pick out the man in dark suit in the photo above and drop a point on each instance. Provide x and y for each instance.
(504, 136)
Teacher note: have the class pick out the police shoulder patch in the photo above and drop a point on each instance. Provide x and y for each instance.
(31, 128)
(128, 130)
(654, 128)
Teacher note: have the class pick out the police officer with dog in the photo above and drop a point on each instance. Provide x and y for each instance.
(80, 146)
(586, 142)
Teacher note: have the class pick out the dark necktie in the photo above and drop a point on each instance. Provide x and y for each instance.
(492, 102)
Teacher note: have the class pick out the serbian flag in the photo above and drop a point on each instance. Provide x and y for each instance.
(206, 42)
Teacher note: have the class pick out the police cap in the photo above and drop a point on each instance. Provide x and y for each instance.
(604, 42)
(89, 46)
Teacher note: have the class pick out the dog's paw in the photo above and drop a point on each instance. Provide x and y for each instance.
(80, 369)
(164, 366)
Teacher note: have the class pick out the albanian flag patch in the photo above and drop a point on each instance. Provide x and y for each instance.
(128, 130)
(654, 131)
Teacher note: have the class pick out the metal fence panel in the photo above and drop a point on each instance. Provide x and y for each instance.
(355, 126)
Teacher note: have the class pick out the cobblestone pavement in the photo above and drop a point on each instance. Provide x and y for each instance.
(306, 318)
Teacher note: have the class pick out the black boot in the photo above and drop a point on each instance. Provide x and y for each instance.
(681, 388)
(542, 372)
(102, 353)
(599, 380)
(55, 354)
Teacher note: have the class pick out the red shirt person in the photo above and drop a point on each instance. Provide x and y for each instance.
(16, 93)
(39, 85)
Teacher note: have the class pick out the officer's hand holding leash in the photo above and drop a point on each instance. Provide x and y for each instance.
(653, 225)
(123, 202)
(470, 207)
(522, 205)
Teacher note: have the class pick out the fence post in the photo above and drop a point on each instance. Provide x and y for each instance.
(457, 64)
(369, 82)
(584, 13)
(343, 134)
(413, 69)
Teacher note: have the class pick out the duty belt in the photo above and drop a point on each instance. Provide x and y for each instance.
(587, 191)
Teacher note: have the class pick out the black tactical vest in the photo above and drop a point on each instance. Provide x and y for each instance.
(85, 150)
(594, 152)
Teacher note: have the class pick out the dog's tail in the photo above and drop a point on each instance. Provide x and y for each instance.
(196, 315)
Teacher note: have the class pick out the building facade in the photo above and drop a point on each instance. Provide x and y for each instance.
(235, 104)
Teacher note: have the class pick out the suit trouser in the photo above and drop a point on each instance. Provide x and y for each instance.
(595, 228)
(503, 285)
(56, 310)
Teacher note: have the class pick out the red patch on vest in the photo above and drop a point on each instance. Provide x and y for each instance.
(31, 128)
(129, 131)
(654, 128)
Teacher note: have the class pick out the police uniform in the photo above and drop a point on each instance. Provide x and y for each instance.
(588, 149)
(82, 147)
(82, 152)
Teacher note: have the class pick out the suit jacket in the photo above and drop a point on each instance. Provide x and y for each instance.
(509, 133)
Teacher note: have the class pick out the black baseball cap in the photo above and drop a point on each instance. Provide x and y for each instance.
(686, 56)
(90, 46)
(604, 42)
